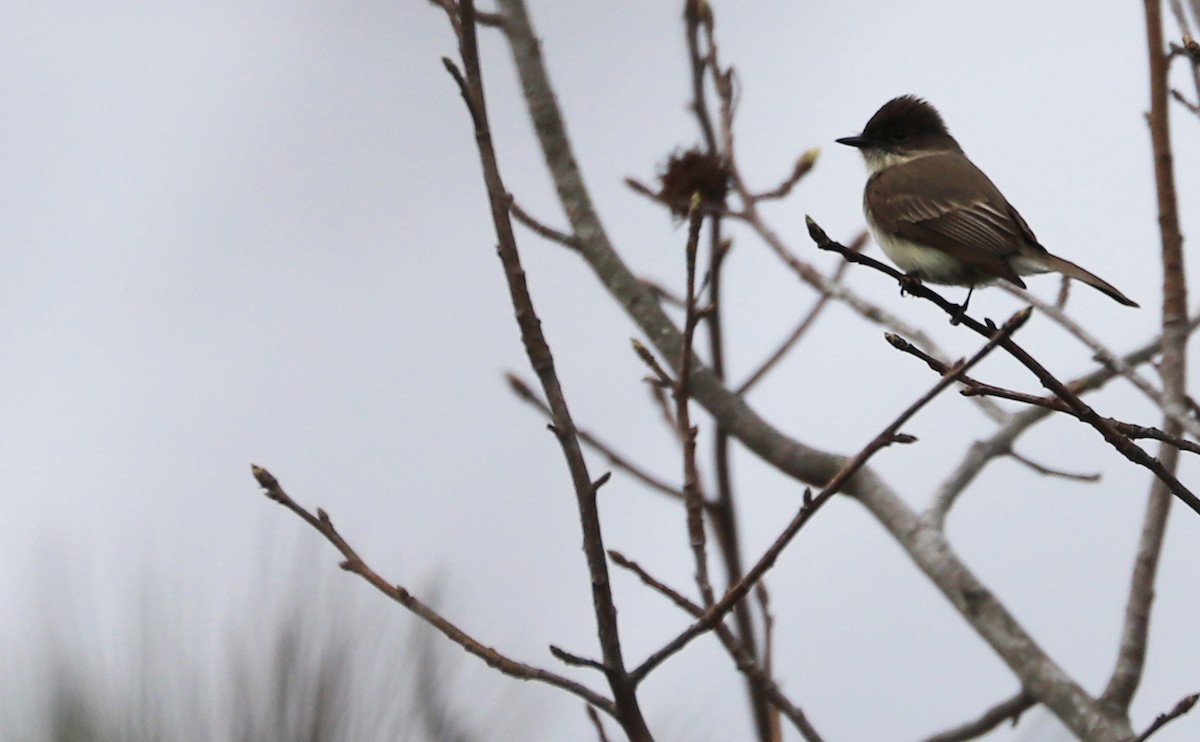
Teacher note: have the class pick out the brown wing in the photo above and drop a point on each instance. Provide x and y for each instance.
(952, 207)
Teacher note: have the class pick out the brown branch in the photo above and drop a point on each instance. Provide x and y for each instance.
(1048, 472)
(1000, 443)
(743, 658)
(989, 720)
(1179, 412)
(1185, 705)
(891, 434)
(923, 542)
(523, 392)
(574, 660)
(1131, 656)
(624, 691)
(353, 563)
(722, 511)
(539, 228)
(697, 15)
(975, 387)
(808, 321)
(1084, 413)
(1191, 107)
(596, 724)
(687, 432)
(804, 164)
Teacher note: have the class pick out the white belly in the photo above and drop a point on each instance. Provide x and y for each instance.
(930, 264)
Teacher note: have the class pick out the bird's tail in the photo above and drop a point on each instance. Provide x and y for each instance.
(1069, 269)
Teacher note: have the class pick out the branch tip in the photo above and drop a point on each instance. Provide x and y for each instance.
(264, 477)
(896, 341)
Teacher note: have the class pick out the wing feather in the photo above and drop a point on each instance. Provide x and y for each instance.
(953, 207)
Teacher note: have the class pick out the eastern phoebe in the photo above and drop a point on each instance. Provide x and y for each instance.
(937, 216)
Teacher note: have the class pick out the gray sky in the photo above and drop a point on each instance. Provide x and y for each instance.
(258, 233)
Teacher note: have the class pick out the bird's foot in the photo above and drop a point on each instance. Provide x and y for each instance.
(909, 281)
(961, 310)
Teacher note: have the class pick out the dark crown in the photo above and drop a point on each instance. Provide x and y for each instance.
(907, 114)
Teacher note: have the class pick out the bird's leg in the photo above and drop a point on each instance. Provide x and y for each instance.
(908, 280)
(962, 310)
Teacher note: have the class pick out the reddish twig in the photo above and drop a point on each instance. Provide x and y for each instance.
(618, 460)
(974, 387)
(1185, 705)
(812, 504)
(758, 676)
(542, 230)
(1131, 656)
(1084, 413)
(628, 712)
(352, 562)
(597, 724)
(989, 720)
(687, 432)
(810, 318)
(700, 24)
(804, 164)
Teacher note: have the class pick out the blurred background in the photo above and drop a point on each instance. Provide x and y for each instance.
(239, 233)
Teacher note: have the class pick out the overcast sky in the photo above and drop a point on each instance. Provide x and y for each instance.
(241, 233)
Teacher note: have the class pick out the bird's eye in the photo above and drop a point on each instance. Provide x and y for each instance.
(899, 136)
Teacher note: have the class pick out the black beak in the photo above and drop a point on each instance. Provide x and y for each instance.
(857, 141)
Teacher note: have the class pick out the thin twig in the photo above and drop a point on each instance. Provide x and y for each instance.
(723, 514)
(808, 321)
(1086, 414)
(1049, 472)
(574, 660)
(1000, 443)
(322, 523)
(1131, 655)
(1104, 355)
(1185, 705)
(618, 460)
(925, 545)
(757, 675)
(804, 164)
(1011, 708)
(540, 228)
(597, 724)
(687, 432)
(975, 387)
(811, 505)
(624, 691)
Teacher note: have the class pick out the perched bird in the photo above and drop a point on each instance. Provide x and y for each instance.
(937, 216)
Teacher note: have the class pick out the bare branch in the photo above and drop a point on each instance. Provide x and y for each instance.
(989, 720)
(808, 321)
(687, 432)
(1131, 657)
(628, 712)
(737, 649)
(804, 164)
(539, 228)
(1185, 705)
(1084, 413)
(322, 523)
(597, 724)
(976, 387)
(923, 543)
(1179, 412)
(891, 434)
(1001, 442)
(618, 460)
